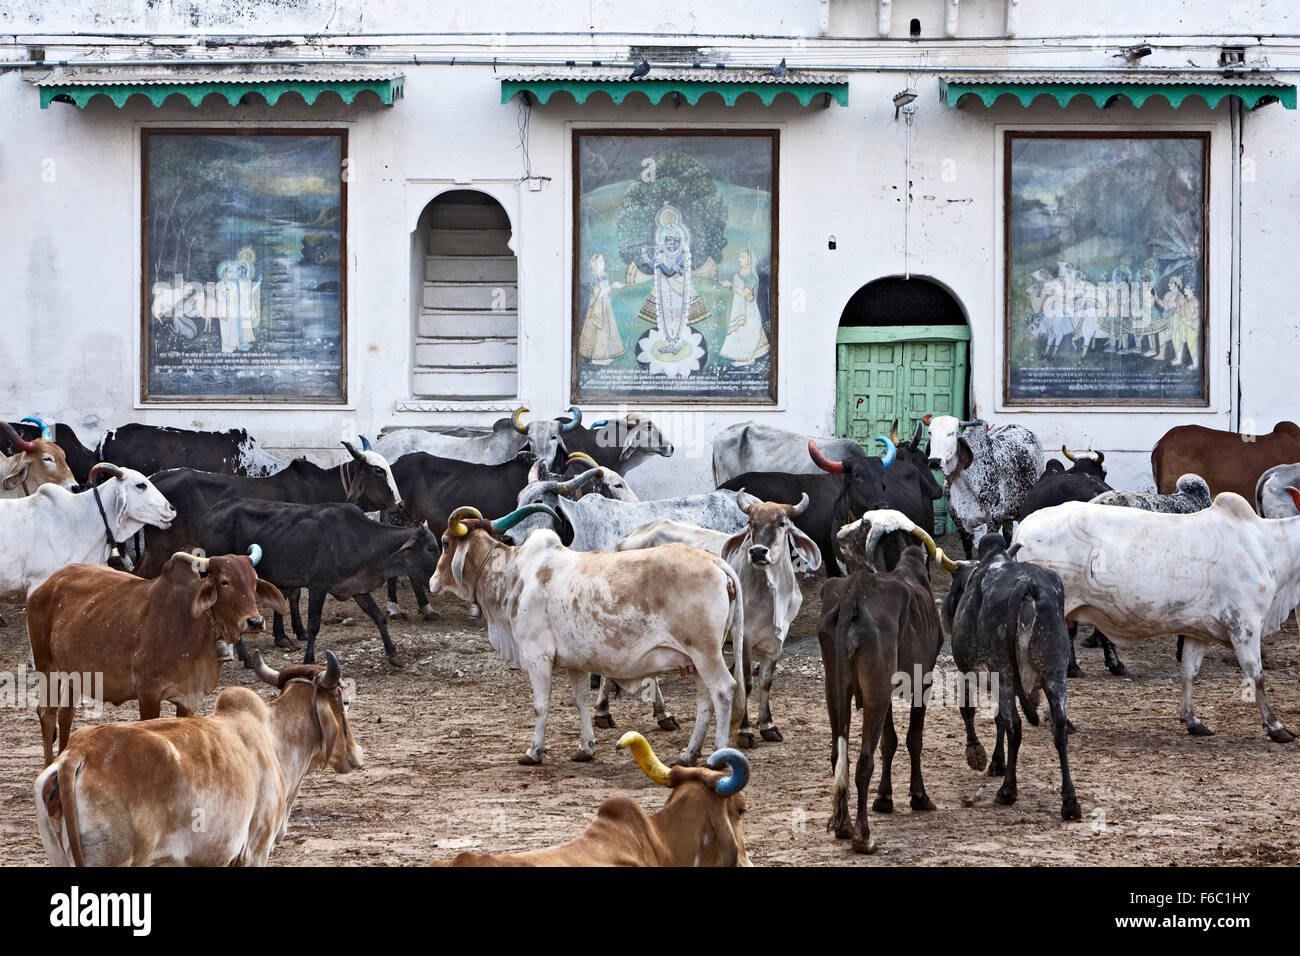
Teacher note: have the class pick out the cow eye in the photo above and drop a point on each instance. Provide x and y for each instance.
(48, 459)
(225, 584)
(140, 485)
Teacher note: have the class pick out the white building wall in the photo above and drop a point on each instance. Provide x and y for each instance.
(70, 238)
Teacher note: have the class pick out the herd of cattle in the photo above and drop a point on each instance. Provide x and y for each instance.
(577, 573)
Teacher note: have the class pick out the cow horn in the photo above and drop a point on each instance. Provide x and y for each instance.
(519, 514)
(893, 432)
(577, 419)
(365, 443)
(40, 423)
(891, 452)
(199, 564)
(916, 439)
(645, 758)
(821, 461)
(19, 442)
(535, 472)
(945, 562)
(925, 419)
(455, 524)
(255, 553)
(970, 423)
(747, 502)
(573, 484)
(582, 456)
(600, 424)
(113, 470)
(734, 782)
(1066, 452)
(514, 419)
(268, 674)
(801, 507)
(1295, 495)
(1101, 456)
(330, 678)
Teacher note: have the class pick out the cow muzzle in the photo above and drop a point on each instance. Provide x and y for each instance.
(759, 555)
(253, 624)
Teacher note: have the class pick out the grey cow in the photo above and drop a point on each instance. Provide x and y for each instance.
(750, 446)
(1271, 497)
(1008, 617)
(507, 438)
(1192, 494)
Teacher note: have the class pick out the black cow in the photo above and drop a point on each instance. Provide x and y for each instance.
(325, 548)
(1008, 617)
(618, 443)
(874, 626)
(1084, 480)
(151, 448)
(433, 487)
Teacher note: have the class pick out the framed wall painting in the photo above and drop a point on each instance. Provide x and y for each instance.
(243, 267)
(675, 266)
(1106, 280)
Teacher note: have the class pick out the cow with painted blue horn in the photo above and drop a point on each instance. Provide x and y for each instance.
(629, 615)
(34, 463)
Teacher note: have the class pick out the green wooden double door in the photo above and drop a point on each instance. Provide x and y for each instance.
(885, 373)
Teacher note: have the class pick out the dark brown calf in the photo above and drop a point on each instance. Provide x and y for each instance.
(151, 640)
(874, 626)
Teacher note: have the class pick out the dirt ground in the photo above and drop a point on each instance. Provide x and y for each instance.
(442, 736)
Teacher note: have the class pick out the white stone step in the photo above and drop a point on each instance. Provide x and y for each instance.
(467, 352)
(474, 325)
(471, 269)
(469, 242)
(465, 383)
(487, 297)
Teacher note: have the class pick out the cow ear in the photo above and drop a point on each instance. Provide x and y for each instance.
(734, 544)
(204, 599)
(269, 593)
(458, 564)
(17, 477)
(806, 547)
(964, 455)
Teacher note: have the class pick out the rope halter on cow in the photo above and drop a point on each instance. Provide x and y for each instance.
(116, 472)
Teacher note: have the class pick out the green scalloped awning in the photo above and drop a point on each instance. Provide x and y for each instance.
(387, 89)
(1253, 95)
(690, 91)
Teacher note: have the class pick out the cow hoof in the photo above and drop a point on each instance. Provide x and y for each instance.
(1070, 809)
(883, 805)
(996, 768)
(1074, 670)
(771, 734)
(474, 610)
(843, 833)
(686, 760)
(1005, 796)
(1118, 669)
(581, 756)
(528, 760)
(1281, 735)
(396, 614)
(923, 803)
(667, 722)
(288, 643)
(863, 846)
(428, 613)
(394, 659)
(1198, 729)
(976, 756)
(604, 721)
(745, 738)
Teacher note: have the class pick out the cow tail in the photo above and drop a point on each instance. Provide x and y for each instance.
(1019, 596)
(736, 633)
(68, 777)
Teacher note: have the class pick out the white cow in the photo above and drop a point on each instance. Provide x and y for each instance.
(761, 557)
(1223, 575)
(629, 615)
(47, 531)
(506, 439)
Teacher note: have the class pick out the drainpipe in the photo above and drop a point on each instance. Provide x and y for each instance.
(1236, 121)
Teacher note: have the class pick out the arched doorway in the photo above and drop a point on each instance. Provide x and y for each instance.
(902, 352)
(464, 294)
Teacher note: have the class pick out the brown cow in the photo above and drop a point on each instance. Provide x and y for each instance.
(1228, 461)
(35, 463)
(698, 826)
(152, 640)
(874, 627)
(197, 791)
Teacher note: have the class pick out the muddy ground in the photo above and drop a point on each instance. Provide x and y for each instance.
(442, 736)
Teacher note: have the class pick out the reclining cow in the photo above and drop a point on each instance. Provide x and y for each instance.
(508, 437)
(1228, 461)
(874, 626)
(33, 463)
(698, 826)
(152, 640)
(218, 790)
(1223, 575)
(762, 556)
(1008, 617)
(619, 444)
(630, 615)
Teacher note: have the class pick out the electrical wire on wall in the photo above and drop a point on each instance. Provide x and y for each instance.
(523, 117)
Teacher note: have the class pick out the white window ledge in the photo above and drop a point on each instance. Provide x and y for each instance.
(453, 405)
